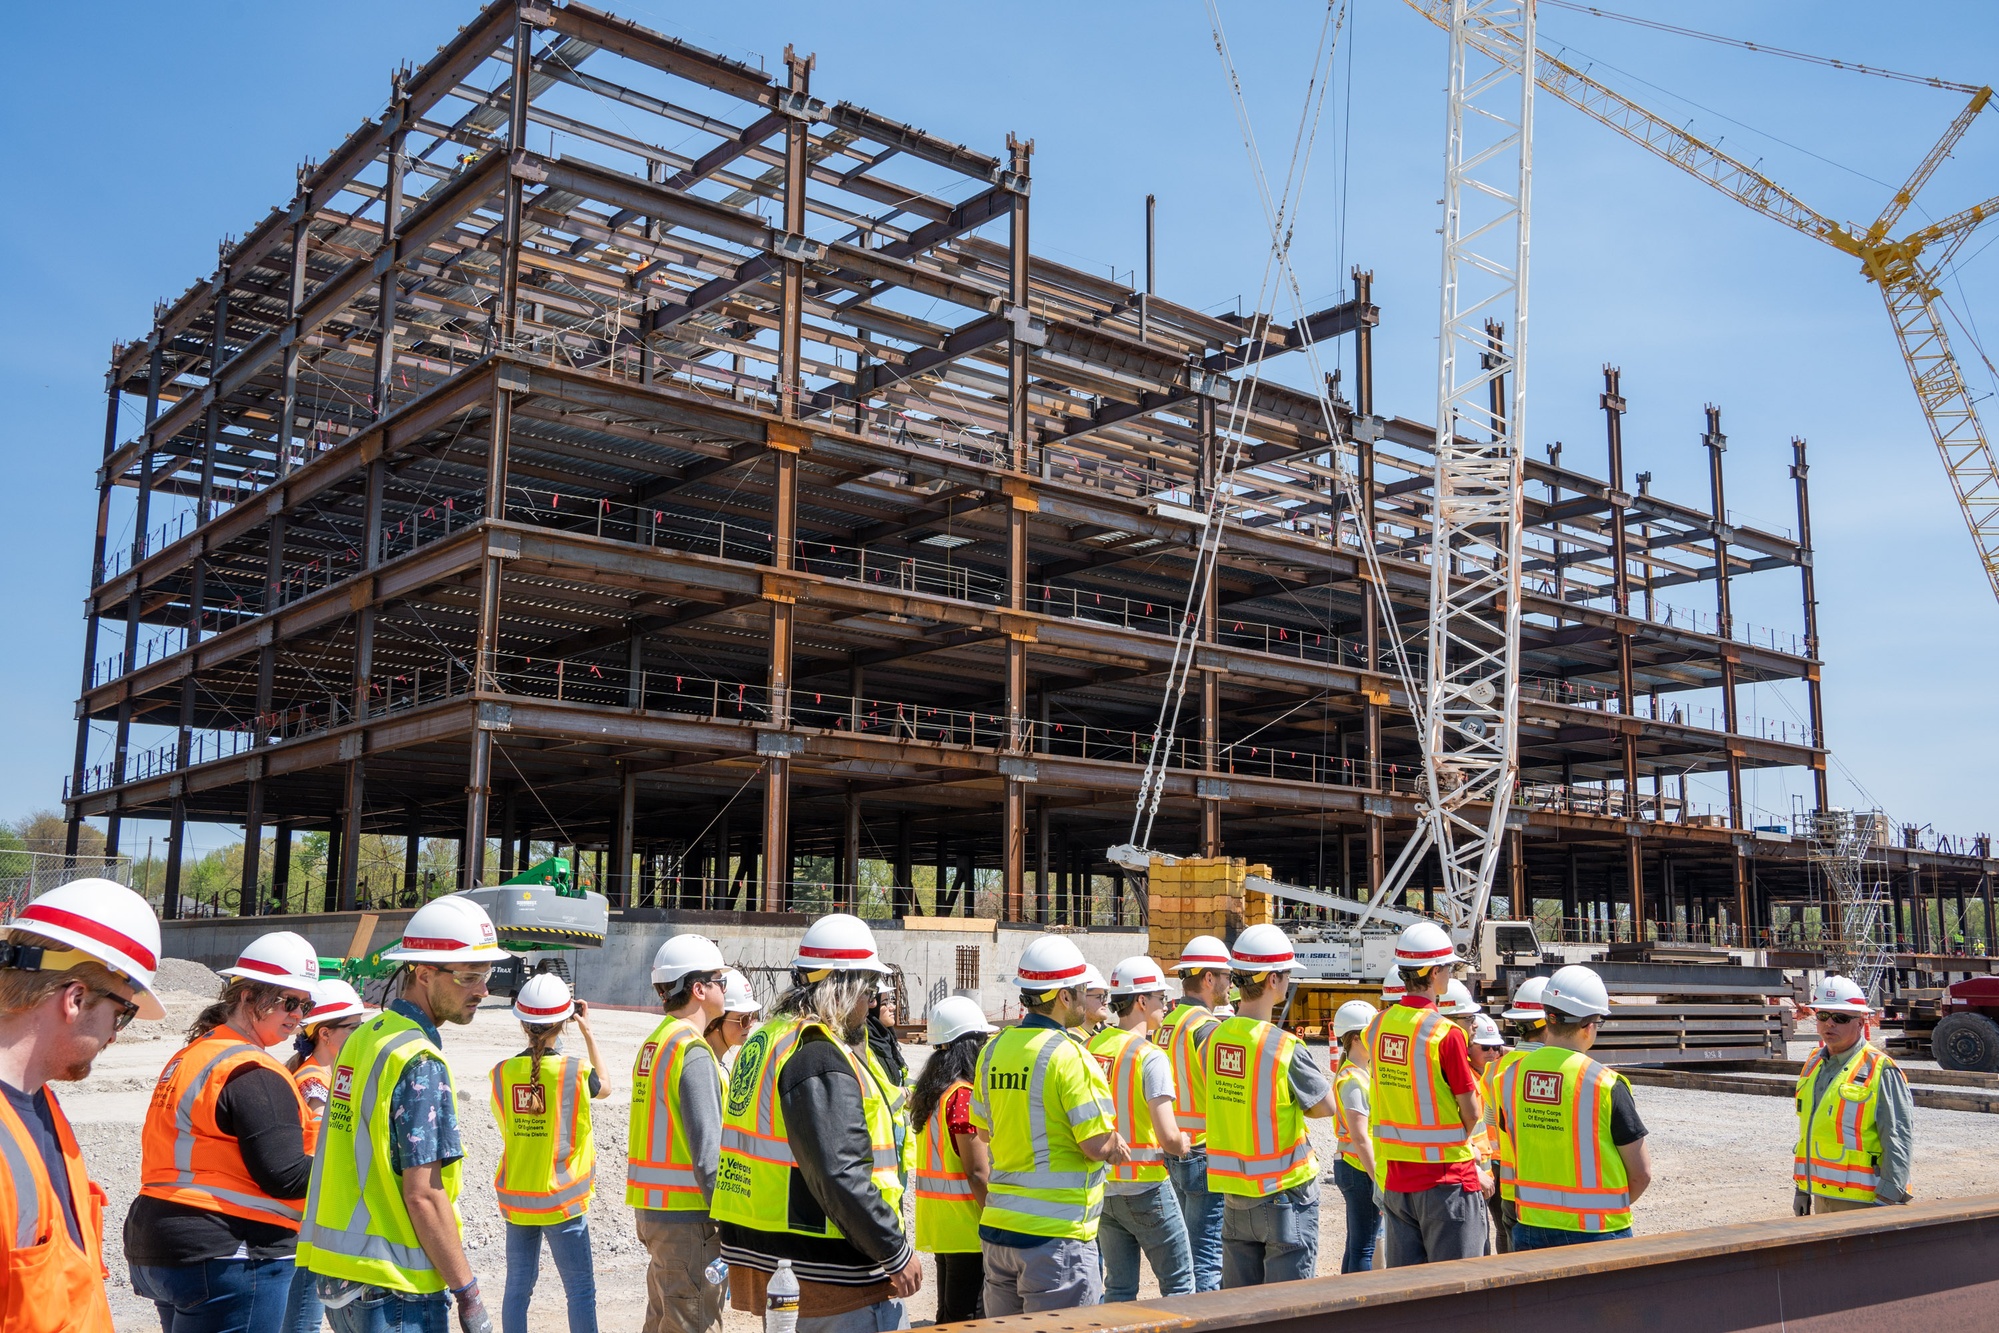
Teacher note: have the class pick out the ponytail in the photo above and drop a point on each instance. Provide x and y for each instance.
(541, 1038)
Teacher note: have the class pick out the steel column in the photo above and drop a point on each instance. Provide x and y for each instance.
(1020, 503)
(73, 833)
(1717, 445)
(1809, 588)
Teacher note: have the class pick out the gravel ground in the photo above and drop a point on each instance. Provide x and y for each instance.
(1717, 1158)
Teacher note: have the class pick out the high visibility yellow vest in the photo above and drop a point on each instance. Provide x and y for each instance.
(1838, 1154)
(896, 1097)
(753, 1182)
(1257, 1144)
(947, 1217)
(1347, 1073)
(356, 1225)
(1121, 1056)
(1036, 1094)
(660, 1174)
(1414, 1113)
(548, 1152)
(1569, 1176)
(1179, 1037)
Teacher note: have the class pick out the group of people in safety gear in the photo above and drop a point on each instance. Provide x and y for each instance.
(1040, 1160)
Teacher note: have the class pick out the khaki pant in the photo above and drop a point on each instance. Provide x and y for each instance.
(1825, 1203)
(679, 1296)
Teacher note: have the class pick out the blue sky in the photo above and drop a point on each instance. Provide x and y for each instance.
(146, 132)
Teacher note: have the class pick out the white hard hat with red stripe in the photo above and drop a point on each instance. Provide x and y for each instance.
(1263, 948)
(333, 1000)
(1203, 951)
(1353, 1016)
(451, 929)
(101, 921)
(1424, 944)
(1050, 962)
(838, 942)
(1840, 995)
(683, 954)
(1526, 1006)
(1137, 975)
(1392, 989)
(283, 958)
(1457, 1002)
(1093, 979)
(544, 999)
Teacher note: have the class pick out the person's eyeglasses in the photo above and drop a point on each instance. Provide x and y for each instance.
(292, 1004)
(1840, 1019)
(478, 976)
(127, 1011)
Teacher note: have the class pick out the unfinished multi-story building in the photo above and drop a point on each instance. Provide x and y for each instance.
(759, 497)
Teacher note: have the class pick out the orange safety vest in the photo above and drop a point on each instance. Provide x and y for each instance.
(185, 1157)
(47, 1284)
(1179, 1037)
(311, 1077)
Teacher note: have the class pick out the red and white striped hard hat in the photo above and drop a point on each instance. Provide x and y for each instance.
(838, 942)
(1841, 995)
(102, 920)
(1050, 962)
(1526, 1006)
(1425, 944)
(333, 1000)
(451, 929)
(1392, 989)
(1263, 948)
(1138, 975)
(283, 958)
(1203, 951)
(544, 999)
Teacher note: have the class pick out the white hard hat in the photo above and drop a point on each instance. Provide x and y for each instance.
(283, 958)
(1137, 975)
(1392, 988)
(451, 929)
(105, 921)
(1050, 962)
(1577, 992)
(1840, 995)
(1526, 1005)
(1457, 1002)
(333, 1000)
(1263, 948)
(1353, 1016)
(737, 997)
(544, 998)
(1425, 944)
(1203, 951)
(838, 942)
(683, 954)
(1485, 1032)
(954, 1016)
(1093, 979)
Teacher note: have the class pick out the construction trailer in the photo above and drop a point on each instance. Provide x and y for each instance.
(759, 516)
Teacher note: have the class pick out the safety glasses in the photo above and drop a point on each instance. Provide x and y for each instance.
(127, 1011)
(1839, 1020)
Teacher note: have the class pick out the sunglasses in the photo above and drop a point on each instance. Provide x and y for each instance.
(291, 1004)
(1841, 1019)
(127, 1011)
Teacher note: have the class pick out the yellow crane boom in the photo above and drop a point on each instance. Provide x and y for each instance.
(1905, 269)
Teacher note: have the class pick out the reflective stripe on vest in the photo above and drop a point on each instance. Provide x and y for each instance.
(659, 1173)
(896, 1097)
(548, 1167)
(947, 1215)
(1414, 1112)
(51, 1284)
(356, 1224)
(185, 1158)
(1838, 1153)
(1569, 1175)
(1347, 1073)
(1041, 1183)
(1179, 1037)
(1257, 1142)
(1121, 1056)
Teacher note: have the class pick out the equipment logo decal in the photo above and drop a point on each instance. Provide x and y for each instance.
(1230, 1060)
(343, 1082)
(530, 1099)
(749, 1067)
(1544, 1087)
(1394, 1049)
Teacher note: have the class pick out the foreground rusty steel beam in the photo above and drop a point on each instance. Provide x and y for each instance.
(1922, 1267)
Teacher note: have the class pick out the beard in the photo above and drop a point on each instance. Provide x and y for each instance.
(78, 1069)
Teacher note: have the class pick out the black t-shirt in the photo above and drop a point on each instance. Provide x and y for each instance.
(40, 1119)
(260, 1110)
(1625, 1126)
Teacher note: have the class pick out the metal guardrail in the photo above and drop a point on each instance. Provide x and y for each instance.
(1925, 1266)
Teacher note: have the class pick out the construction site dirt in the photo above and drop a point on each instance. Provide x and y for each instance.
(1717, 1157)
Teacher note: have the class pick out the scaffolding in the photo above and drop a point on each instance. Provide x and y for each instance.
(1844, 847)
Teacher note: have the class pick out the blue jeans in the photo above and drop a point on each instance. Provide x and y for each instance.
(1363, 1216)
(569, 1242)
(218, 1296)
(1203, 1212)
(389, 1312)
(303, 1312)
(1526, 1237)
(1150, 1222)
(1273, 1239)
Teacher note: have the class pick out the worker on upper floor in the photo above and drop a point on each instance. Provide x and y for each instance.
(1141, 1212)
(76, 968)
(1355, 1171)
(1856, 1119)
(1426, 1112)
(1263, 1084)
(1205, 979)
(1040, 1104)
(1578, 1144)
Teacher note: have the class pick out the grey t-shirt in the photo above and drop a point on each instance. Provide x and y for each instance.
(1155, 1080)
(701, 1116)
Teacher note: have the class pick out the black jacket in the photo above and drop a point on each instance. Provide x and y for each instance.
(833, 1180)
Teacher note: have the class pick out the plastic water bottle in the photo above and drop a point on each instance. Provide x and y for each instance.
(717, 1273)
(781, 1308)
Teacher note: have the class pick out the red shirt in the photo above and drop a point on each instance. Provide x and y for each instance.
(1454, 1058)
(958, 1112)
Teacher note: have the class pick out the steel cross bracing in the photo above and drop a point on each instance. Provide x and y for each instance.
(1468, 716)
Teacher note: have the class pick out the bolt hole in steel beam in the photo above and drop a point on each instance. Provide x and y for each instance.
(1926, 1266)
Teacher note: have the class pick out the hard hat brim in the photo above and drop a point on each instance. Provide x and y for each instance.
(269, 979)
(149, 1004)
(470, 953)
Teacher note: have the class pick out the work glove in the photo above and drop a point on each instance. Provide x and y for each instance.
(1801, 1204)
(472, 1316)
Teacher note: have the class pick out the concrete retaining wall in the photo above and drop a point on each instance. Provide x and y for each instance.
(620, 972)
